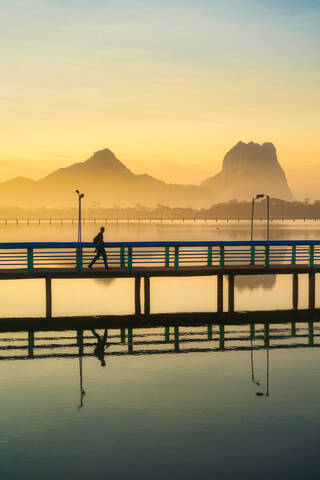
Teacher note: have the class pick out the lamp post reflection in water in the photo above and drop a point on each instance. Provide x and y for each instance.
(253, 379)
(80, 345)
(257, 197)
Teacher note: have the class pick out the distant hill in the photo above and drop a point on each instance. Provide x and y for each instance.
(247, 169)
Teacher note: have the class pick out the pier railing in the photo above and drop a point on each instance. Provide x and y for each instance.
(128, 255)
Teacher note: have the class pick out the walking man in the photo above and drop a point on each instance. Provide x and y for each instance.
(100, 251)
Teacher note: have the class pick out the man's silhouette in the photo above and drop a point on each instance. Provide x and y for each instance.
(100, 251)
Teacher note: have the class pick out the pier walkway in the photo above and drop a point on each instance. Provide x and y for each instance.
(69, 260)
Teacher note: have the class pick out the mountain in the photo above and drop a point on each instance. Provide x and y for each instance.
(248, 169)
(104, 179)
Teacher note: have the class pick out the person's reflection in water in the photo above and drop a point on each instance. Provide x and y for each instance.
(101, 344)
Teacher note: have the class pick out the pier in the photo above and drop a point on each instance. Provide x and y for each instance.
(143, 261)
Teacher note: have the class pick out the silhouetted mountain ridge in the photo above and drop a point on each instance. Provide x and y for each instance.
(247, 169)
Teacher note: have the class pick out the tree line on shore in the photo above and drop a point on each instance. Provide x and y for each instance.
(233, 209)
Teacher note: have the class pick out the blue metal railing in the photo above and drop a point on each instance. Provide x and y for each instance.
(171, 254)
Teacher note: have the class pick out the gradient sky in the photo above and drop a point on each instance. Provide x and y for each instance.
(169, 86)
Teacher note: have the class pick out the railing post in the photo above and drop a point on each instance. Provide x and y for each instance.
(176, 258)
(167, 256)
(30, 259)
(209, 256)
(293, 254)
(267, 256)
(122, 257)
(130, 259)
(221, 260)
(79, 258)
(252, 254)
(209, 332)
(311, 256)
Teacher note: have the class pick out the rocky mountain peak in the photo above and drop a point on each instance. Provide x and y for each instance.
(248, 168)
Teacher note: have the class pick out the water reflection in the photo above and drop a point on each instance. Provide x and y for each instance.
(252, 282)
(176, 339)
(100, 346)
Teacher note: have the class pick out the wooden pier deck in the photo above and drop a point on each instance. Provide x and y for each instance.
(147, 260)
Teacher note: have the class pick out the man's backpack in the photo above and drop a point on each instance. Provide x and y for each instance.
(96, 239)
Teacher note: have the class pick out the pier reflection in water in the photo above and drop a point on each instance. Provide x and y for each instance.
(218, 396)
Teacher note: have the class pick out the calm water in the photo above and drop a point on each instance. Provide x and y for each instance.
(184, 406)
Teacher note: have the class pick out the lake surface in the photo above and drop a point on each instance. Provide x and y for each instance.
(181, 404)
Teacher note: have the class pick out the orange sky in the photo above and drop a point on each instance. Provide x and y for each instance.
(169, 87)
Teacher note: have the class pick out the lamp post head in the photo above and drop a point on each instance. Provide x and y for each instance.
(82, 195)
(77, 191)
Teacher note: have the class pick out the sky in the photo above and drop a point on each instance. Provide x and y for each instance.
(168, 86)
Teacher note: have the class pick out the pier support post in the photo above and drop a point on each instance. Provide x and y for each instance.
(137, 297)
(295, 291)
(312, 290)
(147, 295)
(220, 293)
(48, 297)
(231, 293)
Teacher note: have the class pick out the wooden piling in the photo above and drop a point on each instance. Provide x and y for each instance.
(137, 296)
(48, 298)
(231, 293)
(295, 291)
(147, 295)
(312, 290)
(220, 293)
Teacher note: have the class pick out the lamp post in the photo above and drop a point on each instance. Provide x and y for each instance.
(261, 195)
(80, 197)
